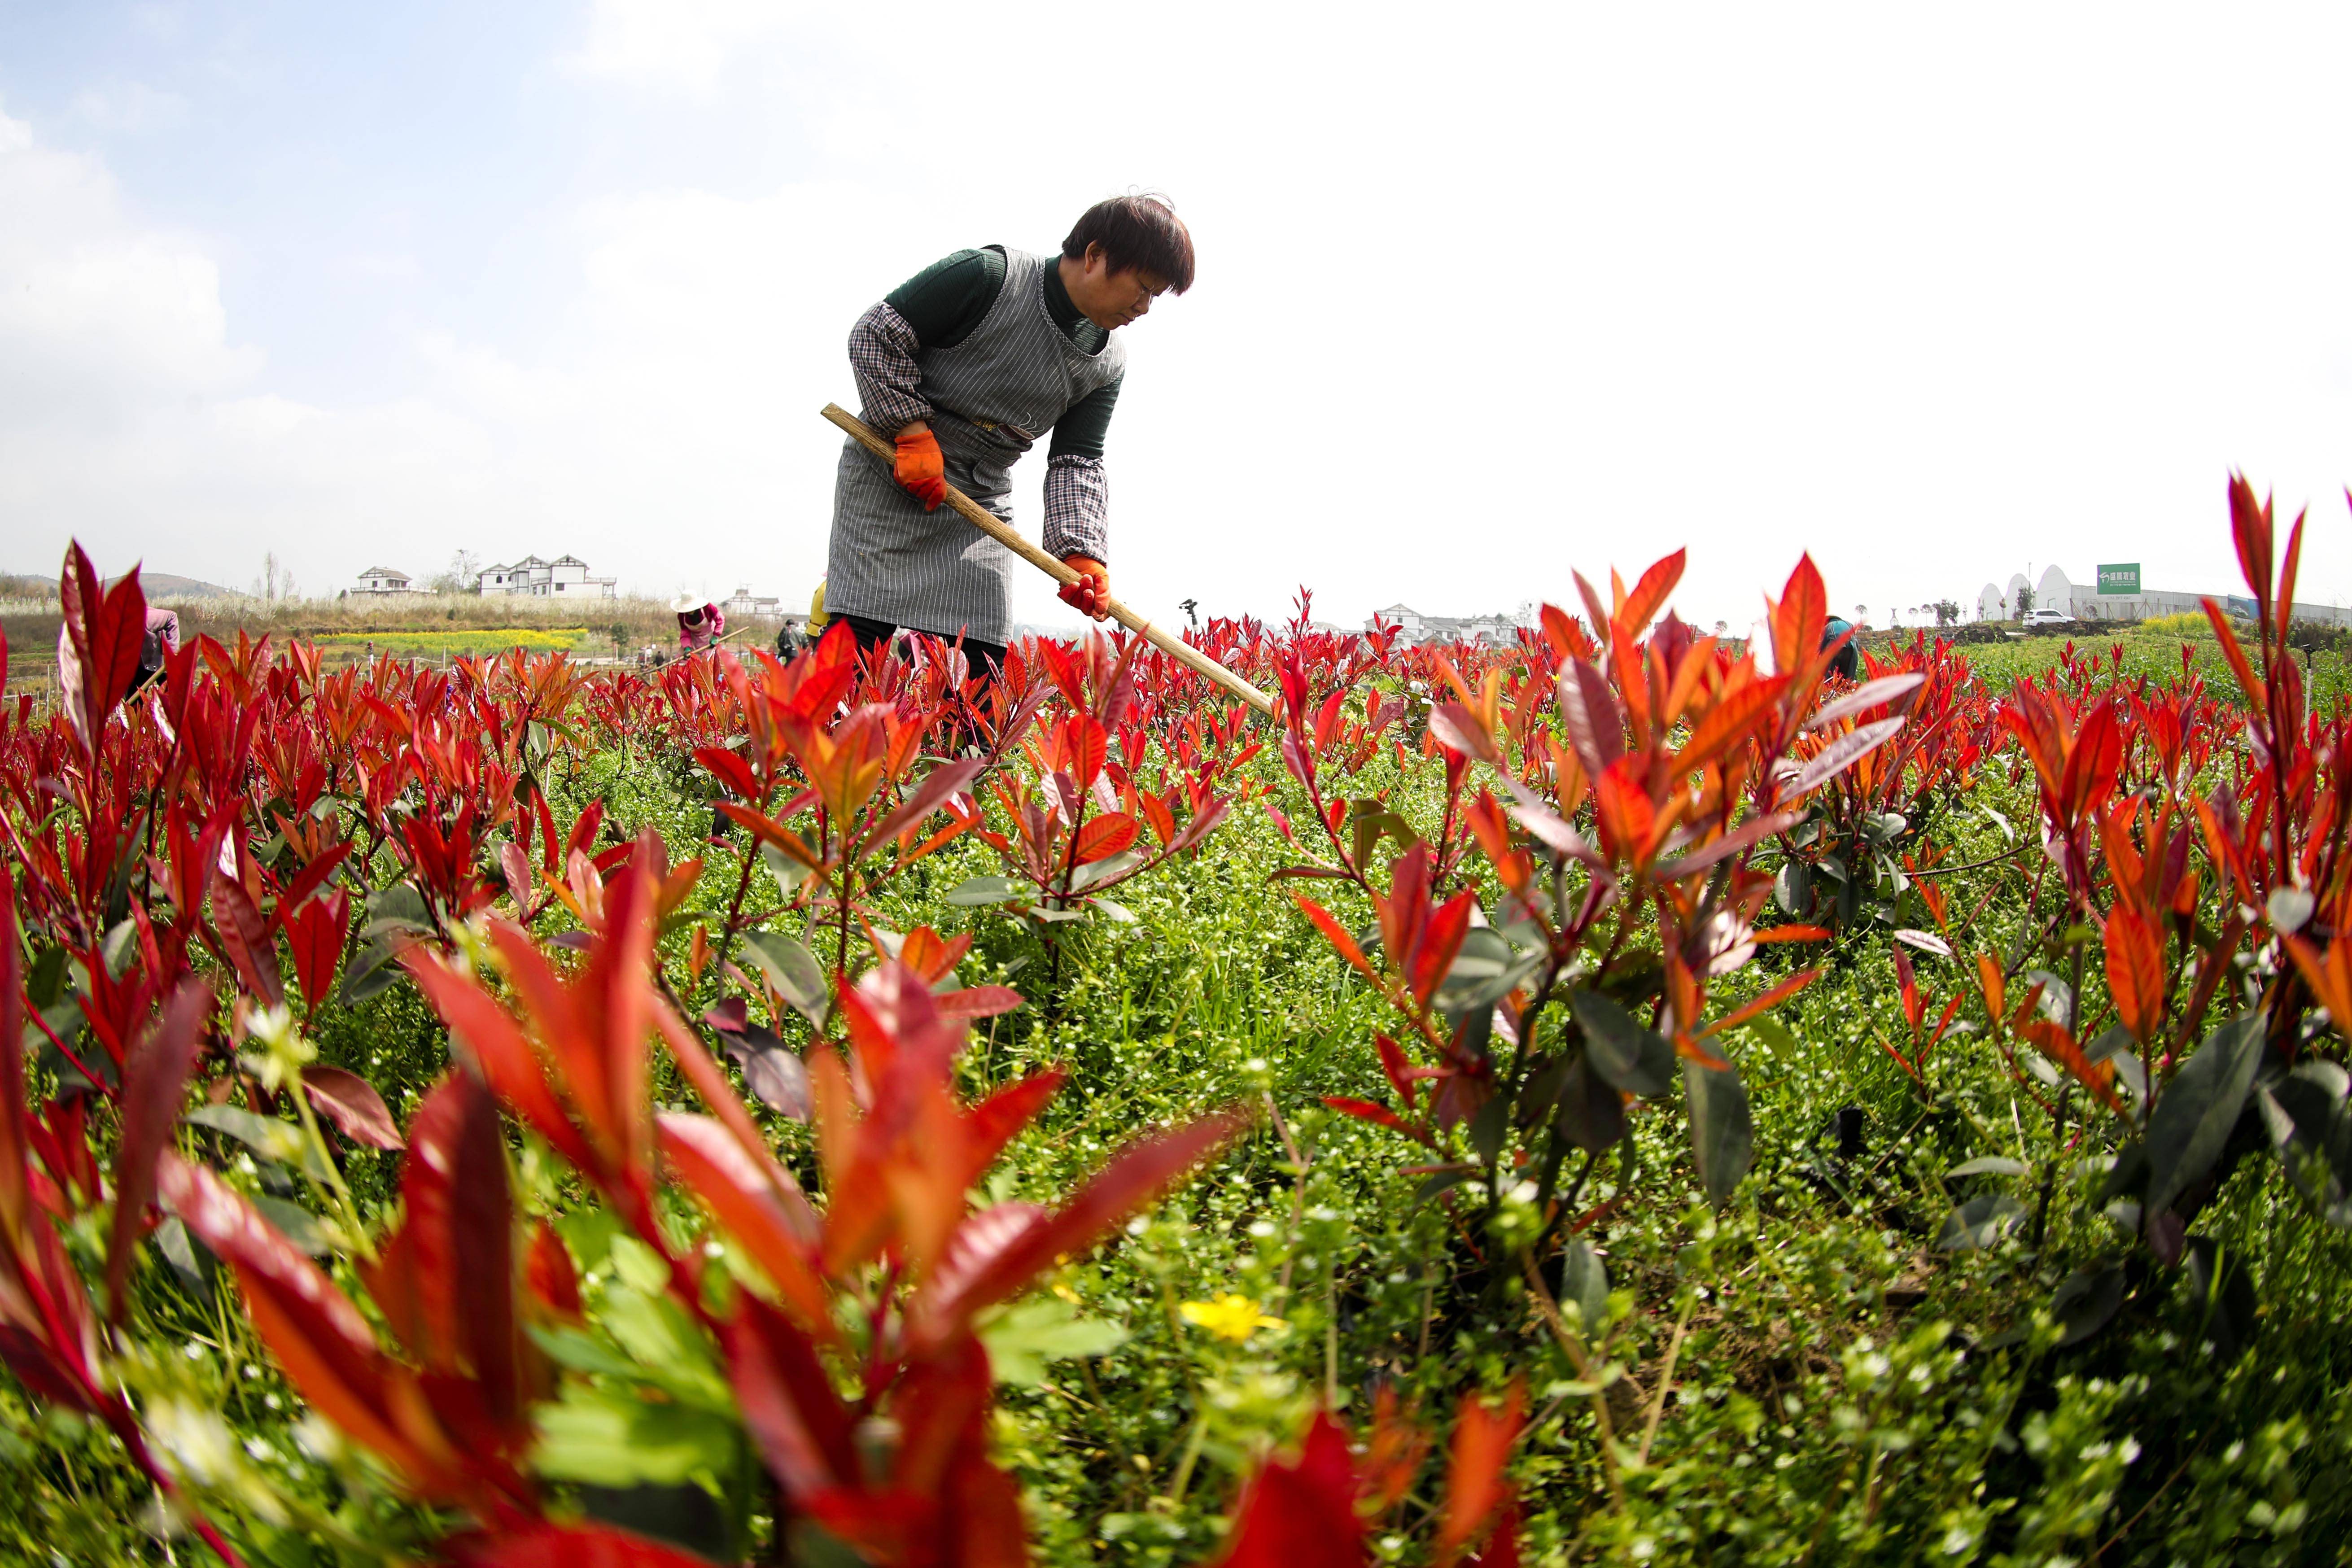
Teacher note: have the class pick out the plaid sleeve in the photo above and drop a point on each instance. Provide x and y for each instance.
(882, 356)
(1077, 507)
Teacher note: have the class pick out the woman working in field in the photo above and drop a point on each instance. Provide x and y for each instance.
(969, 364)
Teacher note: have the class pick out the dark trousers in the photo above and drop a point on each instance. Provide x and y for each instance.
(987, 658)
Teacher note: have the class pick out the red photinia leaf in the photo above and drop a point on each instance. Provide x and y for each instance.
(312, 1328)
(1595, 727)
(979, 1001)
(998, 1120)
(1502, 1547)
(1642, 605)
(1798, 617)
(1164, 821)
(1104, 836)
(1764, 1003)
(2054, 1042)
(1793, 933)
(2093, 764)
(1301, 1513)
(105, 631)
(1399, 1071)
(1455, 726)
(1565, 633)
(2257, 695)
(499, 1052)
(1475, 1487)
(728, 766)
(353, 1104)
(1907, 982)
(1439, 941)
(2329, 974)
(713, 1165)
(943, 784)
(1338, 936)
(929, 954)
(806, 1435)
(1731, 723)
(583, 829)
(770, 831)
(2250, 528)
(154, 1081)
(1134, 1176)
(458, 1134)
(1841, 754)
(308, 881)
(710, 1082)
(2136, 972)
(16, 1191)
(1085, 747)
(1622, 805)
(1365, 1111)
(246, 937)
(315, 933)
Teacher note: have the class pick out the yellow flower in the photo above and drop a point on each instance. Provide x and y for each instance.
(1229, 1317)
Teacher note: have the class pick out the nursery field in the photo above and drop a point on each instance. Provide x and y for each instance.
(1599, 1100)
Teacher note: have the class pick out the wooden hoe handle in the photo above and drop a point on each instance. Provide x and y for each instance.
(989, 523)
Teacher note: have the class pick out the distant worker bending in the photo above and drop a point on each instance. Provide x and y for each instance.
(968, 365)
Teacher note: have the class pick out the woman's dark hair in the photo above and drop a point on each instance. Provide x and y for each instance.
(1137, 232)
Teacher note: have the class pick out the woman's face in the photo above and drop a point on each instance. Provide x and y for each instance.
(1111, 299)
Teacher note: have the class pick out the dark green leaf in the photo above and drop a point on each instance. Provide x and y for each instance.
(1792, 888)
(1591, 1114)
(1989, 1165)
(1484, 970)
(1721, 1136)
(298, 1224)
(1584, 1281)
(2086, 1300)
(1627, 1056)
(979, 891)
(397, 907)
(2310, 1123)
(685, 1514)
(190, 1259)
(792, 970)
(371, 972)
(1487, 1128)
(1980, 1222)
(2193, 1117)
(272, 1140)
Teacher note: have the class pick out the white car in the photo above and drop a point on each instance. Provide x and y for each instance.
(2048, 618)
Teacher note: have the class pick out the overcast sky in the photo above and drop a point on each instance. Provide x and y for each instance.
(1485, 293)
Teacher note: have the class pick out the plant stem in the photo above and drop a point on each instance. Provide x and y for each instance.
(1574, 1349)
(1666, 1380)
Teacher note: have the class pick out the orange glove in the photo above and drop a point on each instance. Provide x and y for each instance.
(921, 470)
(1091, 592)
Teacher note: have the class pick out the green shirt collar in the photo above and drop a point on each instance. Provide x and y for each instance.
(1065, 315)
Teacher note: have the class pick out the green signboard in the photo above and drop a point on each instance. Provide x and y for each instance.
(2119, 579)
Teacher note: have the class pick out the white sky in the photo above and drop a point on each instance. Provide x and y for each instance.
(1485, 293)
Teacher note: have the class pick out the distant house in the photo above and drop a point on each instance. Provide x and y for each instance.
(383, 580)
(1414, 628)
(566, 577)
(746, 606)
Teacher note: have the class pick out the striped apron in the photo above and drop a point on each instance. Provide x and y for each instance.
(992, 396)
